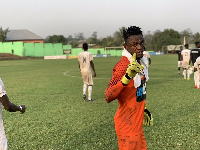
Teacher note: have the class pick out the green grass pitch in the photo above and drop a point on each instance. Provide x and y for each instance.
(58, 119)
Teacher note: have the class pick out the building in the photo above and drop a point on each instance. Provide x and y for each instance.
(23, 36)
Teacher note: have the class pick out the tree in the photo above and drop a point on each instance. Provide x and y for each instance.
(196, 37)
(147, 38)
(93, 39)
(107, 42)
(167, 37)
(3, 34)
(80, 36)
(187, 34)
(70, 38)
(56, 39)
(118, 38)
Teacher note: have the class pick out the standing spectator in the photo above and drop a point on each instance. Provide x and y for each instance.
(186, 61)
(180, 59)
(197, 70)
(128, 86)
(86, 66)
(195, 53)
(147, 56)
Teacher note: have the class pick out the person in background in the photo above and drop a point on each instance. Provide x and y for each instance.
(197, 70)
(147, 56)
(195, 53)
(185, 54)
(86, 66)
(180, 59)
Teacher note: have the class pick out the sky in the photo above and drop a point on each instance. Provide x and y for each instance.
(70, 17)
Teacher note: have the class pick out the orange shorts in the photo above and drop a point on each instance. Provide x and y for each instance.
(136, 142)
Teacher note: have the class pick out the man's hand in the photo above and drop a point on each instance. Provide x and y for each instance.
(148, 119)
(133, 68)
(23, 108)
(94, 74)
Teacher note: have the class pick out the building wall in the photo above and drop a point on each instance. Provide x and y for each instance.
(29, 41)
(48, 49)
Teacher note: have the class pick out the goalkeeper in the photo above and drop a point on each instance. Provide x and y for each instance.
(128, 86)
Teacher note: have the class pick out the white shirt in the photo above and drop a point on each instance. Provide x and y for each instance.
(84, 59)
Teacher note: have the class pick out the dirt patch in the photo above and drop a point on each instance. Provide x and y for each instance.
(7, 56)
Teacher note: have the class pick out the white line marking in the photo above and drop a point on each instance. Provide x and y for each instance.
(67, 73)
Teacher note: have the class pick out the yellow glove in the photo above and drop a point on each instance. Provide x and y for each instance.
(148, 119)
(133, 68)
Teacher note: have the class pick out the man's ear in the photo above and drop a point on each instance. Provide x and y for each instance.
(125, 46)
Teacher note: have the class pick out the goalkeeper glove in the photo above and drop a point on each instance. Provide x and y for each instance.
(148, 119)
(133, 68)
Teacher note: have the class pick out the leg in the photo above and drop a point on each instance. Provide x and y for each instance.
(179, 68)
(195, 79)
(90, 80)
(85, 83)
(84, 89)
(184, 73)
(3, 144)
(89, 92)
(188, 74)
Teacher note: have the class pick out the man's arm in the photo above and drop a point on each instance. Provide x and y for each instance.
(92, 65)
(79, 66)
(114, 88)
(10, 106)
(149, 61)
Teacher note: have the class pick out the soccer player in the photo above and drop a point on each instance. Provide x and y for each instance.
(186, 61)
(195, 53)
(86, 66)
(128, 86)
(4, 100)
(147, 56)
(197, 71)
(180, 59)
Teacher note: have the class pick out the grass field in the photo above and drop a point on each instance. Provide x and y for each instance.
(58, 119)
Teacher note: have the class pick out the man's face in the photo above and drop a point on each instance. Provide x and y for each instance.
(135, 44)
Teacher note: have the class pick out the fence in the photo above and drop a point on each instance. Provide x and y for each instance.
(49, 49)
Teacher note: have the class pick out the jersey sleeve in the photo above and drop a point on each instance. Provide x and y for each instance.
(115, 86)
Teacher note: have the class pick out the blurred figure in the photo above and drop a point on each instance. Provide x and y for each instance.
(180, 59)
(147, 56)
(197, 71)
(195, 53)
(185, 54)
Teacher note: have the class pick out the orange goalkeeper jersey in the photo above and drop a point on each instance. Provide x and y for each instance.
(129, 116)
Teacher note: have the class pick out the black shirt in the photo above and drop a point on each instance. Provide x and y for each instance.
(195, 53)
(179, 55)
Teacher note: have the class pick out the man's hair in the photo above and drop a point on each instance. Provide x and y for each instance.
(196, 43)
(85, 46)
(132, 30)
(186, 45)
